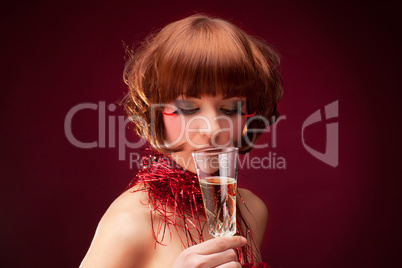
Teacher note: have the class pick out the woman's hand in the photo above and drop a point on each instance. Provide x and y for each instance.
(217, 252)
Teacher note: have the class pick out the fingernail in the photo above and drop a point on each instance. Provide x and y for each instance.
(244, 240)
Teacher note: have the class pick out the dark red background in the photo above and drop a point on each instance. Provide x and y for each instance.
(56, 55)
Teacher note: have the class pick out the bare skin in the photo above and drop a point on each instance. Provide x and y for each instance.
(124, 238)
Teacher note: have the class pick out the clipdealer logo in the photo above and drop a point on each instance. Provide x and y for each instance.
(272, 161)
(331, 154)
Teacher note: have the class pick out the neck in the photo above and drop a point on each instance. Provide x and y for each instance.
(186, 163)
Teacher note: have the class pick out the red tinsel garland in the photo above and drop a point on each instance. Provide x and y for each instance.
(175, 196)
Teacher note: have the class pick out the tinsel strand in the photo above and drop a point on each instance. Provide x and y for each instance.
(174, 195)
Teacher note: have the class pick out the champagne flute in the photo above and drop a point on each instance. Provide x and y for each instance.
(217, 174)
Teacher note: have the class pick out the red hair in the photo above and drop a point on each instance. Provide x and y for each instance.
(199, 56)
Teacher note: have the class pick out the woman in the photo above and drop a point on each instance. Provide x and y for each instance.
(199, 82)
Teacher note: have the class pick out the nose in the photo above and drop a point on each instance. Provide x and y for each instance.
(213, 126)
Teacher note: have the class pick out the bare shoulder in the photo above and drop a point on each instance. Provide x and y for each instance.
(124, 234)
(255, 213)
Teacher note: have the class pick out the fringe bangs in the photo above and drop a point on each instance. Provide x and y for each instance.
(207, 61)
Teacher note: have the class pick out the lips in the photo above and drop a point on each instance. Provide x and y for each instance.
(205, 147)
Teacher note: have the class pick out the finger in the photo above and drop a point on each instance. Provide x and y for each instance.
(220, 244)
(232, 264)
(220, 258)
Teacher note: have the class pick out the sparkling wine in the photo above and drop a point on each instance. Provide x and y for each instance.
(219, 195)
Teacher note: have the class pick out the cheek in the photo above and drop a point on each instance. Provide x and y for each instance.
(234, 129)
(172, 126)
(238, 125)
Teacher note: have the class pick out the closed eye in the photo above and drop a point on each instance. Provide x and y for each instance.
(186, 111)
(231, 112)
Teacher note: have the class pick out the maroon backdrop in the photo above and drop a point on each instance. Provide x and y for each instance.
(56, 55)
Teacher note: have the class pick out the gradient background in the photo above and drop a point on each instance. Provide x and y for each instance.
(55, 56)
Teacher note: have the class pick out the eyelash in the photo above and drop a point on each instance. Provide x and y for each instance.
(186, 112)
(193, 111)
(231, 112)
